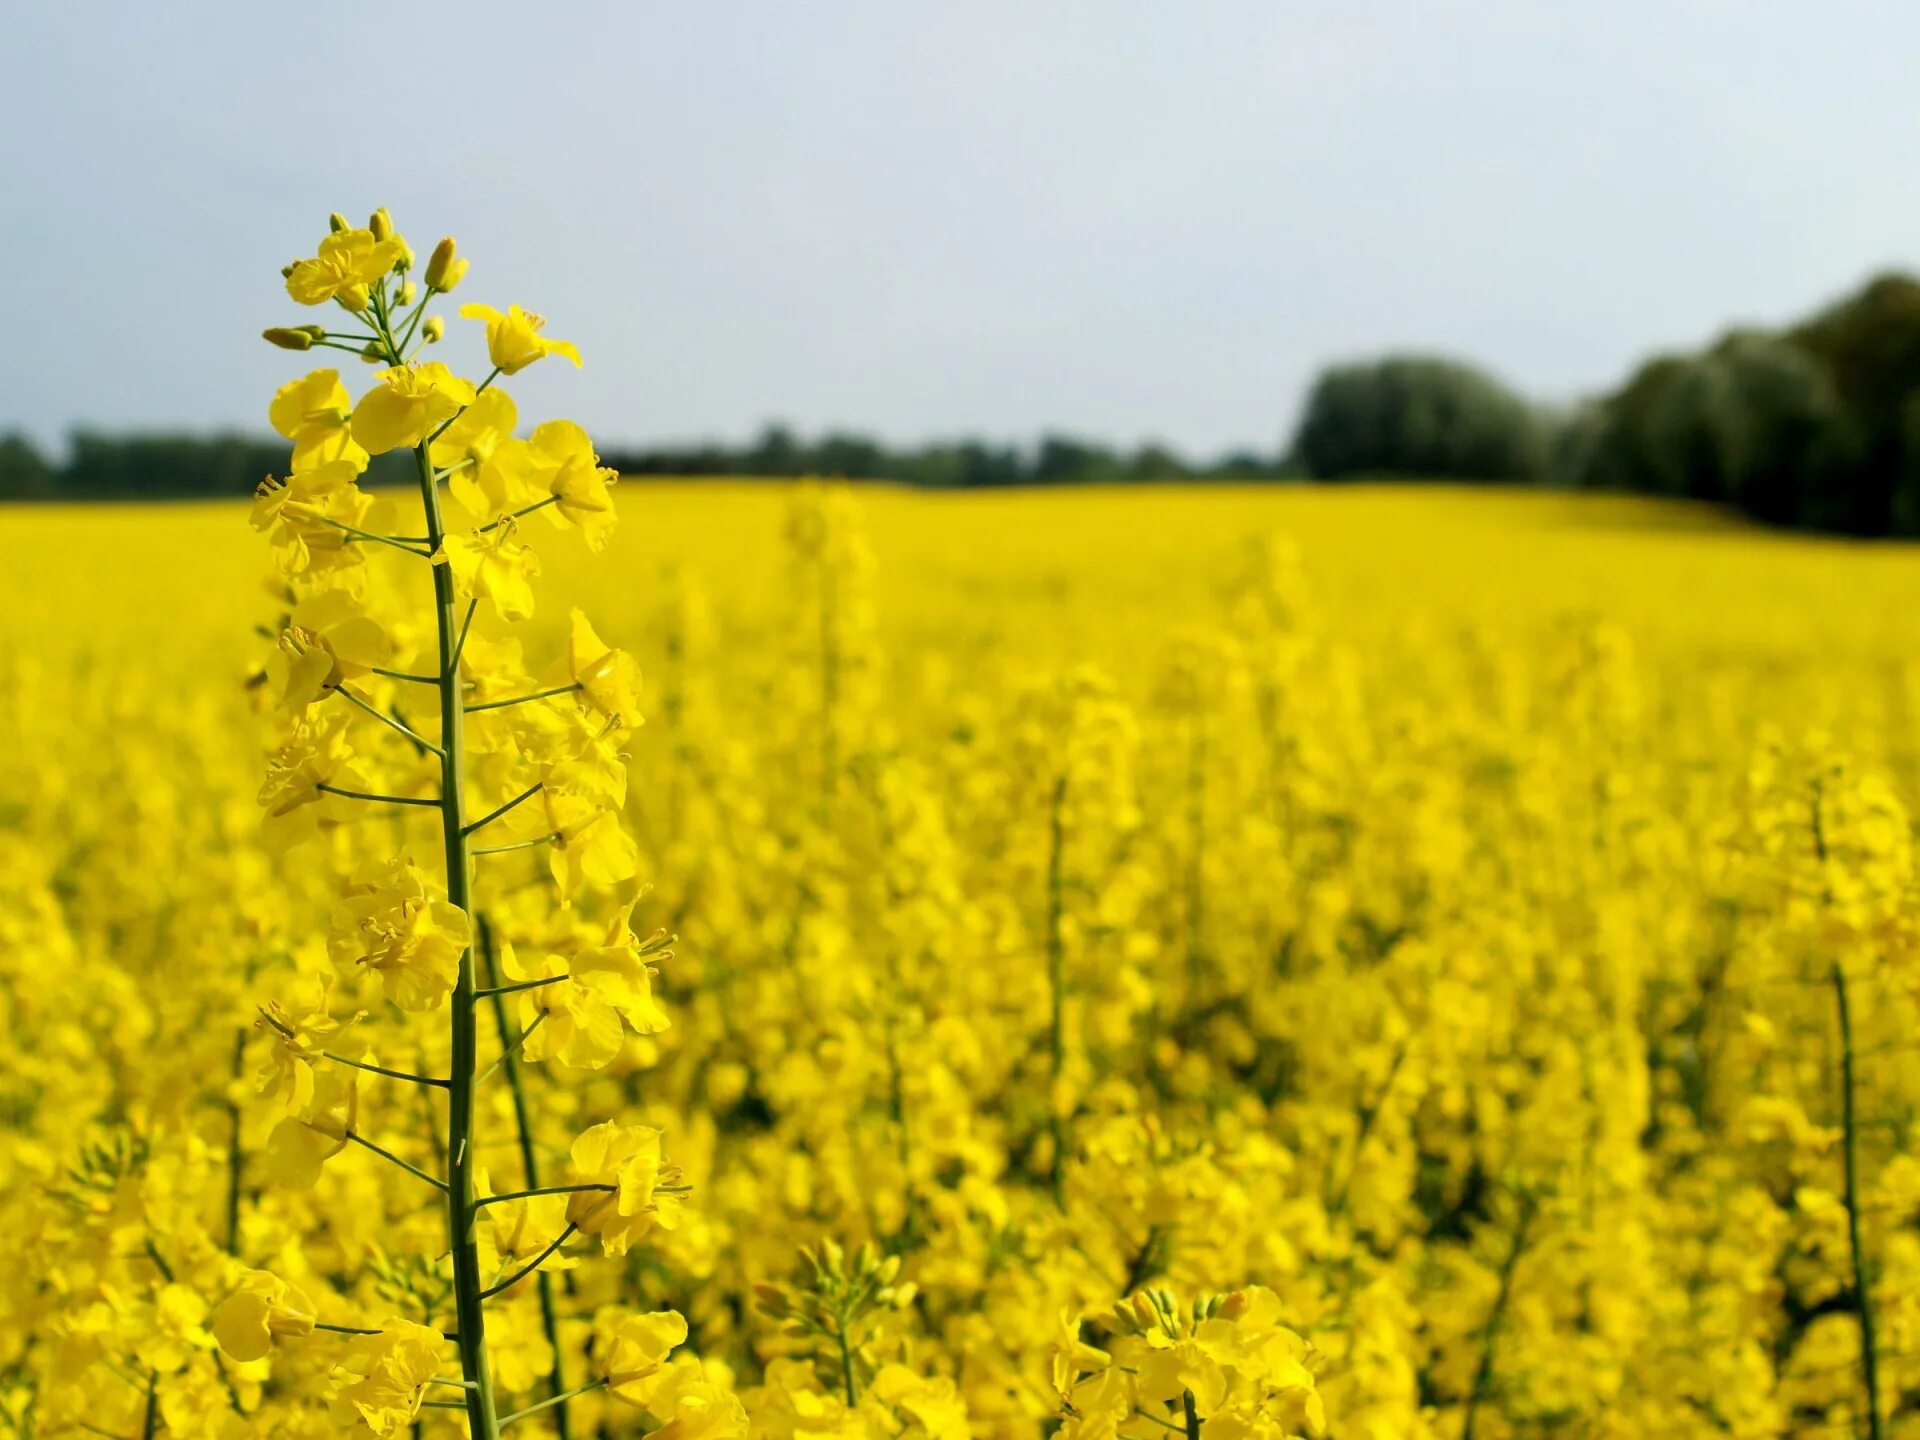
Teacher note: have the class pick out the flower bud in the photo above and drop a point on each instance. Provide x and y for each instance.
(285, 271)
(336, 222)
(380, 223)
(439, 263)
(435, 329)
(405, 262)
(372, 354)
(287, 339)
(409, 292)
(1233, 1305)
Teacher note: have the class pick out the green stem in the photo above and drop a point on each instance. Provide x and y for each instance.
(385, 719)
(482, 1420)
(530, 1169)
(532, 1265)
(1862, 1278)
(546, 839)
(1483, 1375)
(495, 813)
(485, 1200)
(385, 1154)
(560, 1400)
(326, 789)
(1193, 1419)
(846, 1366)
(235, 1156)
(1056, 984)
(524, 510)
(515, 988)
(382, 1070)
(524, 699)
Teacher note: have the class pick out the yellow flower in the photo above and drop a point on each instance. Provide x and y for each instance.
(590, 848)
(609, 678)
(645, 1193)
(631, 1351)
(262, 1309)
(468, 449)
(558, 460)
(493, 565)
(408, 405)
(930, 1401)
(513, 339)
(349, 264)
(398, 922)
(304, 1141)
(297, 1034)
(693, 1407)
(313, 413)
(329, 642)
(387, 1377)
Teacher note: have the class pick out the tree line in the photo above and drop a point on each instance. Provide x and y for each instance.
(1815, 425)
(173, 466)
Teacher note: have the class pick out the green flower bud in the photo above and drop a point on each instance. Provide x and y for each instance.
(408, 293)
(435, 329)
(373, 354)
(336, 222)
(288, 339)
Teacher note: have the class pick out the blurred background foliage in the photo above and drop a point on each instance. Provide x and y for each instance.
(1816, 426)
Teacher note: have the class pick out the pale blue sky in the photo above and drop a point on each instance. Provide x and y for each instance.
(1123, 220)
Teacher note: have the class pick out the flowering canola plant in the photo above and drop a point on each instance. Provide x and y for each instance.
(1081, 964)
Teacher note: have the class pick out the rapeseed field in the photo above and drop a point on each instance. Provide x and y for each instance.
(1374, 962)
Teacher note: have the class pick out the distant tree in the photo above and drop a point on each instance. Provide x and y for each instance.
(1062, 460)
(1156, 463)
(776, 452)
(24, 471)
(1870, 343)
(1413, 415)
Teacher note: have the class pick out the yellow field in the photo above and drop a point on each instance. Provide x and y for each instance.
(1428, 906)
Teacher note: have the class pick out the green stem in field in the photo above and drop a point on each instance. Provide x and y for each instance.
(385, 1154)
(530, 1169)
(451, 631)
(1192, 1418)
(1850, 1155)
(559, 1399)
(1056, 984)
(532, 1265)
(382, 1070)
(1490, 1335)
(235, 1155)
(377, 713)
(524, 699)
(495, 813)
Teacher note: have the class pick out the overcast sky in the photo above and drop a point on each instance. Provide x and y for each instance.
(998, 216)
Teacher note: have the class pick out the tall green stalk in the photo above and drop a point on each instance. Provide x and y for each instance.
(1862, 1280)
(470, 1322)
(1056, 983)
(530, 1168)
(469, 1315)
